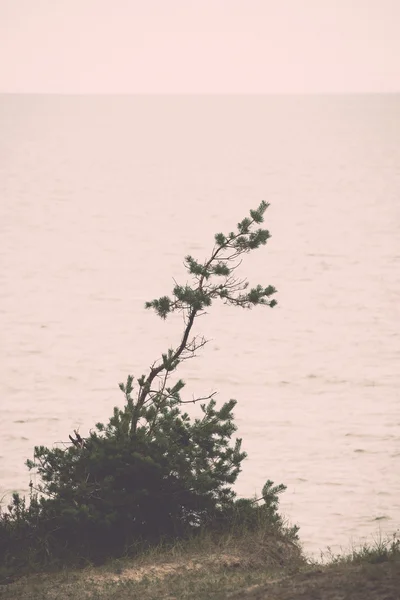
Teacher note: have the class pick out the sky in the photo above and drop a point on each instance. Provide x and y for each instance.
(199, 46)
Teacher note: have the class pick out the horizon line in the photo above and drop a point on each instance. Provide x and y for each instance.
(313, 93)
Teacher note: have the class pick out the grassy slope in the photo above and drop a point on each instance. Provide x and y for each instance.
(253, 566)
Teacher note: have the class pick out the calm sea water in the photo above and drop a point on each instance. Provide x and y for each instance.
(100, 200)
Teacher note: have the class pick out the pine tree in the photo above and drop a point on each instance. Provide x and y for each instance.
(151, 472)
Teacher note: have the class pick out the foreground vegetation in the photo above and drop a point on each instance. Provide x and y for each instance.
(151, 474)
(257, 565)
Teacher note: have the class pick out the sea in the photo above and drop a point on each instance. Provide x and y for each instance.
(101, 199)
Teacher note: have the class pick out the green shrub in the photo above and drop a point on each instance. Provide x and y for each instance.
(151, 473)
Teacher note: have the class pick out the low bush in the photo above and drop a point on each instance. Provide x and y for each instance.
(151, 473)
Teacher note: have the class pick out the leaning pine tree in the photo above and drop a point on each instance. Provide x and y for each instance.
(152, 473)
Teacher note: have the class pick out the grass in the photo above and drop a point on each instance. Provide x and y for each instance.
(207, 566)
(238, 564)
(380, 550)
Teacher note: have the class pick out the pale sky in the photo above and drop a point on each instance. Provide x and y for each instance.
(199, 46)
